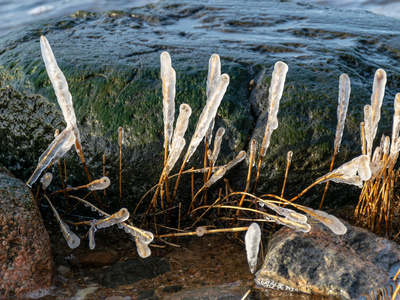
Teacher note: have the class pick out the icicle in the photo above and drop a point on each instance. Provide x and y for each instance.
(298, 226)
(369, 138)
(92, 230)
(168, 78)
(46, 180)
(330, 221)
(142, 249)
(121, 216)
(344, 96)
(275, 95)
(59, 83)
(396, 124)
(286, 212)
(214, 72)
(182, 122)
(209, 112)
(217, 144)
(364, 170)
(236, 160)
(253, 149)
(347, 173)
(252, 241)
(60, 145)
(120, 136)
(215, 177)
(173, 156)
(377, 154)
(72, 239)
(378, 92)
(99, 184)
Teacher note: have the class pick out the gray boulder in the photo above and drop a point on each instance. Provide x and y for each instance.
(25, 253)
(111, 62)
(320, 262)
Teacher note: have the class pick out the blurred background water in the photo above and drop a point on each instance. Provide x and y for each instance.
(15, 14)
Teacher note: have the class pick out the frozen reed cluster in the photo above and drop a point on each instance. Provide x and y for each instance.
(58, 148)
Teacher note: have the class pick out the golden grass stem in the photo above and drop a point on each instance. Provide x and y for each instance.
(235, 229)
(327, 183)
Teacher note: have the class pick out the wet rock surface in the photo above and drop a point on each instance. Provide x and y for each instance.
(320, 262)
(111, 62)
(25, 253)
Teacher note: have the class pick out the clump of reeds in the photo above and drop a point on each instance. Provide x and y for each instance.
(377, 201)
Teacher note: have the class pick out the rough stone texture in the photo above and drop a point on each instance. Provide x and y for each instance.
(25, 253)
(111, 62)
(322, 263)
(132, 270)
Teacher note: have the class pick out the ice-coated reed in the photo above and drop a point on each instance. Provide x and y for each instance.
(182, 122)
(208, 114)
(46, 180)
(214, 72)
(99, 184)
(347, 173)
(120, 216)
(57, 149)
(396, 125)
(143, 249)
(168, 77)
(176, 150)
(217, 145)
(252, 241)
(59, 83)
(215, 177)
(71, 238)
(372, 113)
(343, 104)
(330, 221)
(275, 95)
(92, 230)
(241, 156)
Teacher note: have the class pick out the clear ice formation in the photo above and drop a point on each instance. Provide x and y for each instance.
(217, 145)
(216, 93)
(60, 145)
(182, 122)
(252, 241)
(347, 173)
(372, 113)
(168, 77)
(330, 221)
(121, 216)
(215, 177)
(343, 104)
(64, 141)
(275, 95)
(46, 180)
(173, 156)
(99, 184)
(143, 249)
(71, 238)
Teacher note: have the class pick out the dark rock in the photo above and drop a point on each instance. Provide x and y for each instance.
(97, 259)
(25, 253)
(111, 62)
(323, 263)
(172, 288)
(133, 270)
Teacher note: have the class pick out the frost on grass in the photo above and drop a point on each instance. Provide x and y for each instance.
(252, 241)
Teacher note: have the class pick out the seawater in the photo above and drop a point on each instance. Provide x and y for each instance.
(16, 14)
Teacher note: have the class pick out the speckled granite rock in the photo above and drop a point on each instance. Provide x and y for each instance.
(25, 253)
(323, 263)
(111, 61)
